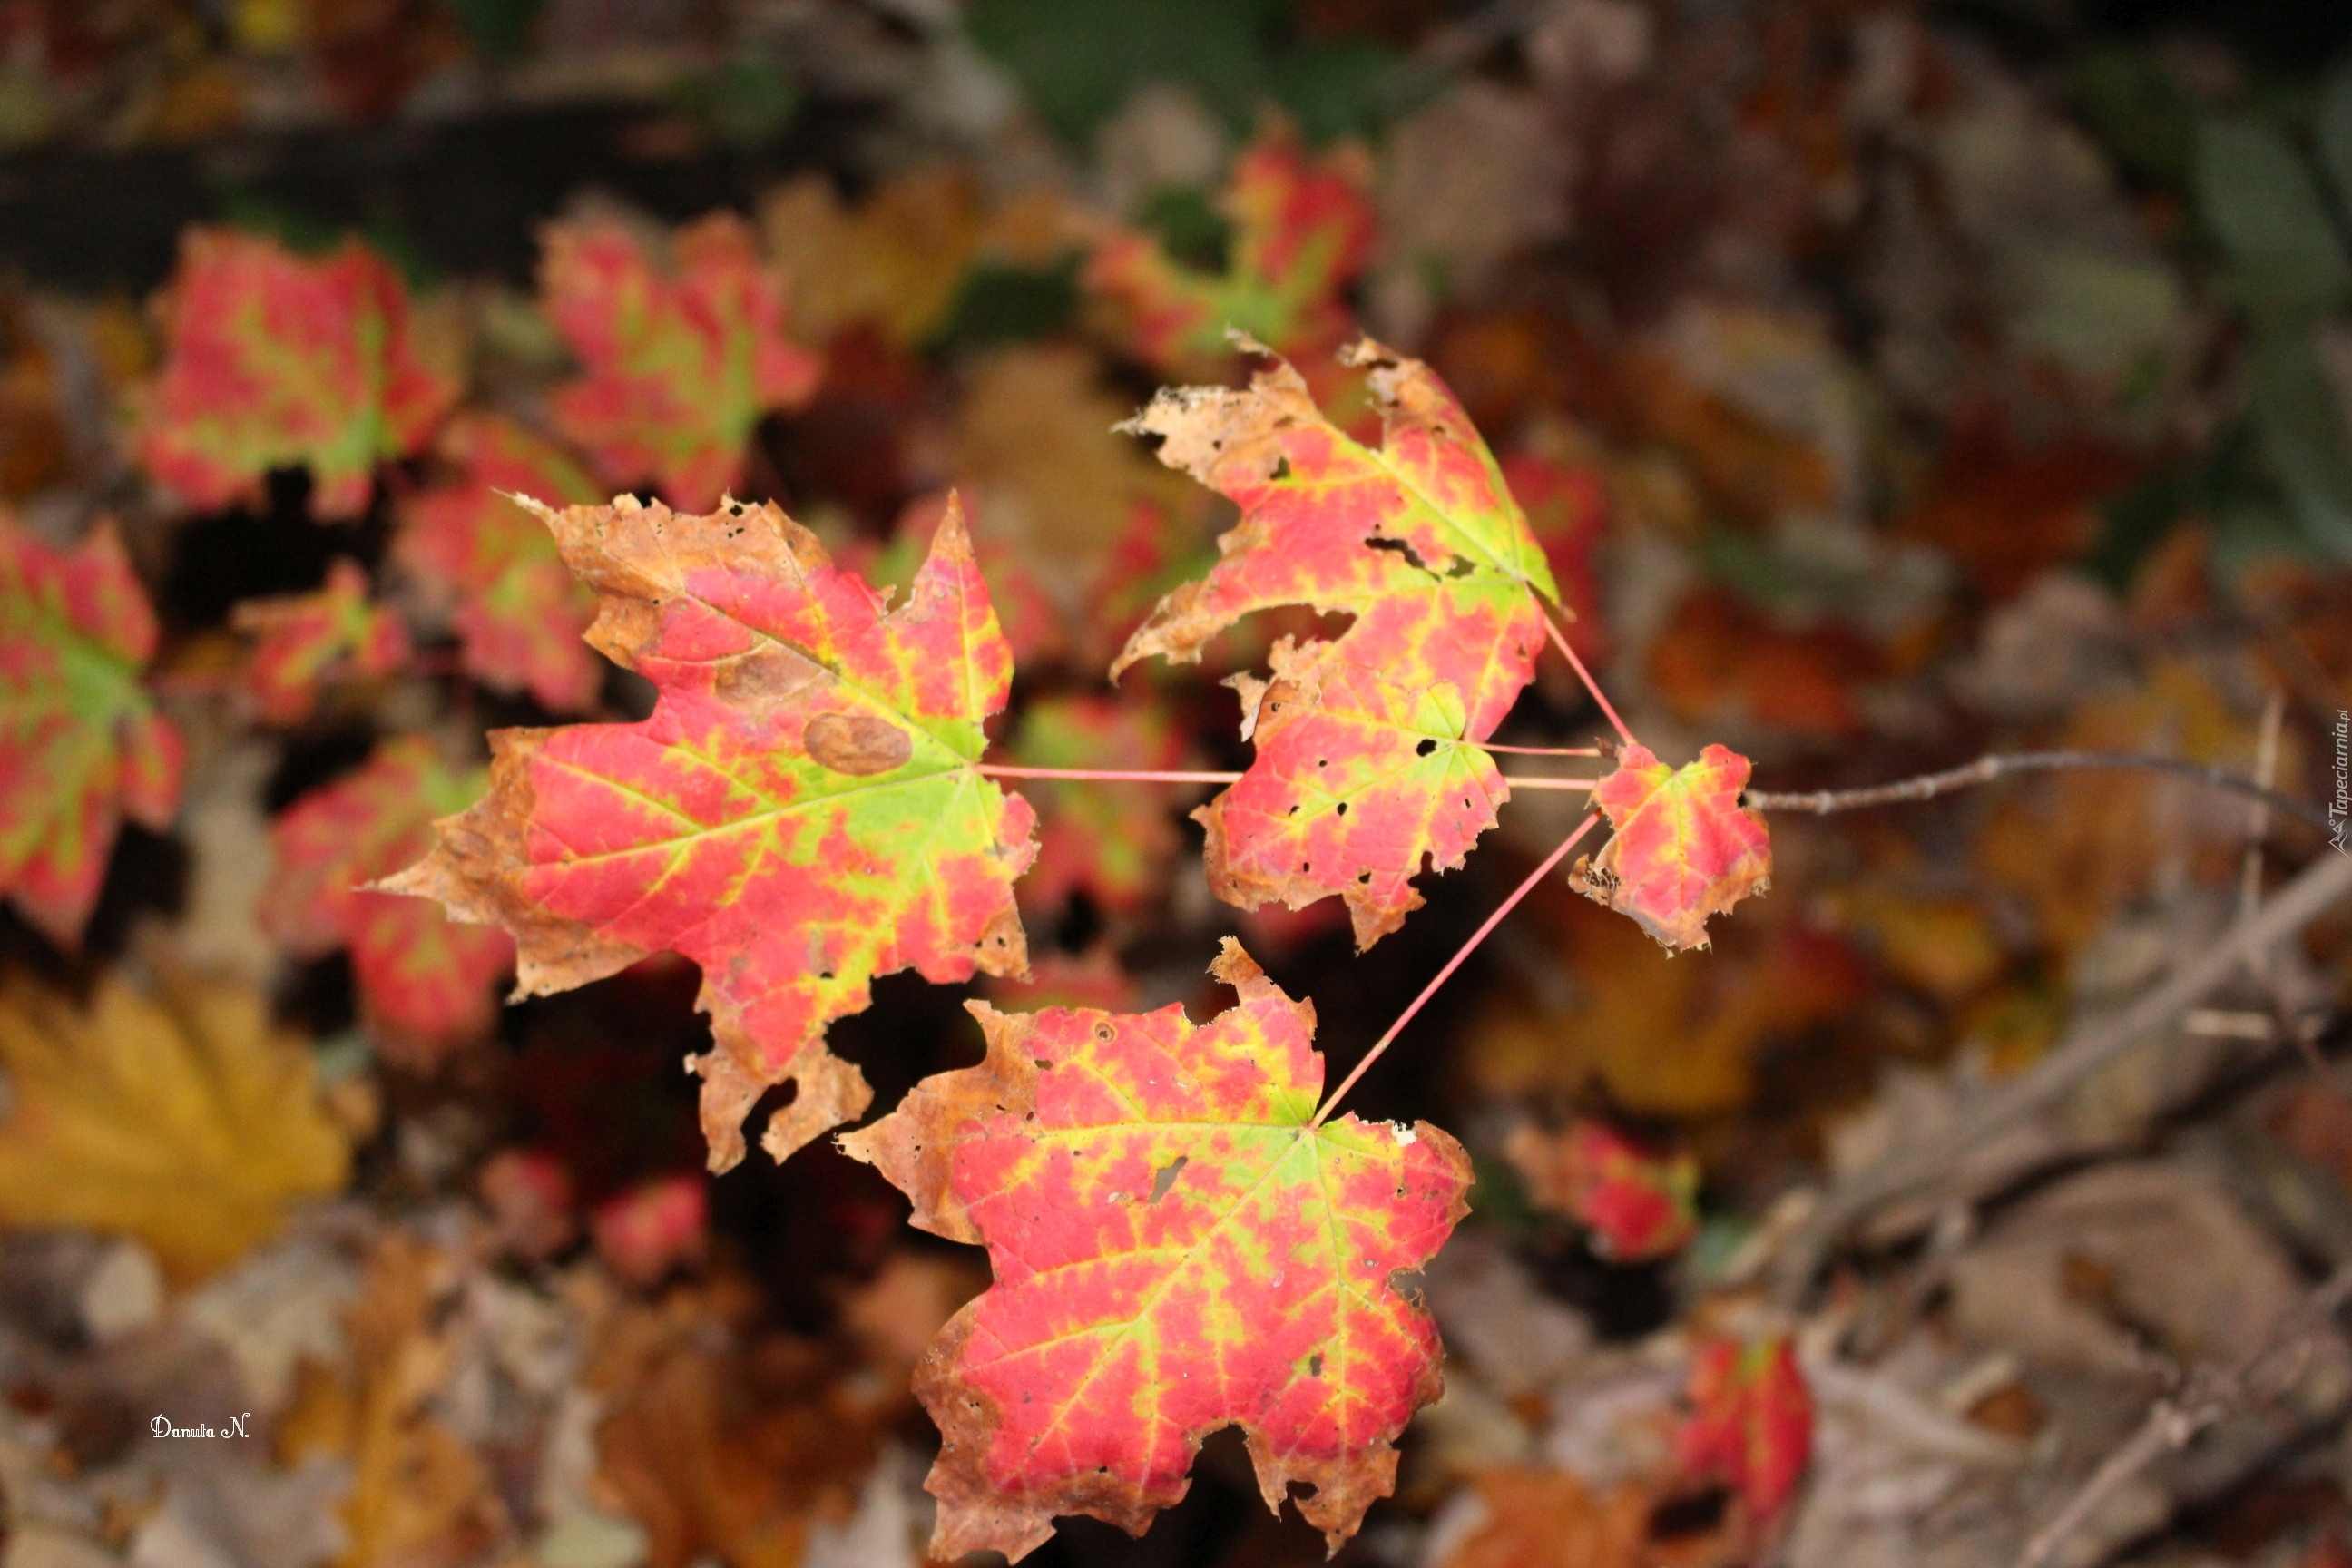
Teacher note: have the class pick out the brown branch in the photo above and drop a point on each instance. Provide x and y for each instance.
(2204, 1398)
(2084, 1052)
(1984, 770)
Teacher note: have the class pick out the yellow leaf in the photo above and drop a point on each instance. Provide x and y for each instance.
(895, 260)
(180, 1117)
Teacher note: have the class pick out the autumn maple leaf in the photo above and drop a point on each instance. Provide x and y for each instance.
(1640, 1203)
(1177, 1247)
(681, 360)
(799, 814)
(179, 1116)
(81, 743)
(274, 359)
(424, 980)
(1302, 230)
(1751, 1423)
(1367, 764)
(1685, 846)
(518, 613)
(306, 639)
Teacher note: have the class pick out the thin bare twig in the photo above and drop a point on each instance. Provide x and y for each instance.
(2204, 1398)
(2081, 1054)
(1984, 770)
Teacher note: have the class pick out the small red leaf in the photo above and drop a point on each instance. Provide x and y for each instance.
(1685, 847)
(81, 743)
(519, 614)
(308, 640)
(274, 359)
(1751, 1426)
(1641, 1204)
(680, 360)
(1176, 1250)
(425, 983)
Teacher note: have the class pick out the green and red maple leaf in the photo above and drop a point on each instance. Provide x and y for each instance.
(518, 613)
(423, 981)
(82, 745)
(1751, 1422)
(1368, 763)
(274, 359)
(801, 812)
(1177, 1247)
(304, 640)
(680, 355)
(1302, 230)
(1686, 846)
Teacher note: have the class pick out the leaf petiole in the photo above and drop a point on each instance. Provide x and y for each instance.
(1442, 975)
(1156, 775)
(1559, 641)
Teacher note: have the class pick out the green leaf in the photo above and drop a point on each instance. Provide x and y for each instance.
(2259, 199)
(2334, 133)
(2300, 427)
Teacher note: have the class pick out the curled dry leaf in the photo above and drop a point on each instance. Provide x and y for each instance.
(726, 1443)
(1685, 846)
(1423, 544)
(680, 360)
(81, 743)
(1176, 1250)
(420, 1496)
(424, 980)
(799, 814)
(274, 359)
(304, 640)
(179, 1118)
(518, 614)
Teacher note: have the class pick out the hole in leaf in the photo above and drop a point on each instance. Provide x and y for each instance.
(1424, 748)
(1041, 1064)
(1343, 808)
(1314, 1365)
(1166, 1176)
(1103, 1031)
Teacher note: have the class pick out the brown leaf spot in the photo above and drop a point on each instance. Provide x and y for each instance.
(857, 744)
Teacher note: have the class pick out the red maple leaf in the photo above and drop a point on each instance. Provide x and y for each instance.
(1685, 847)
(423, 981)
(1177, 1247)
(274, 359)
(1301, 232)
(1640, 1203)
(799, 814)
(518, 613)
(1751, 1424)
(308, 639)
(1367, 765)
(81, 743)
(680, 360)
